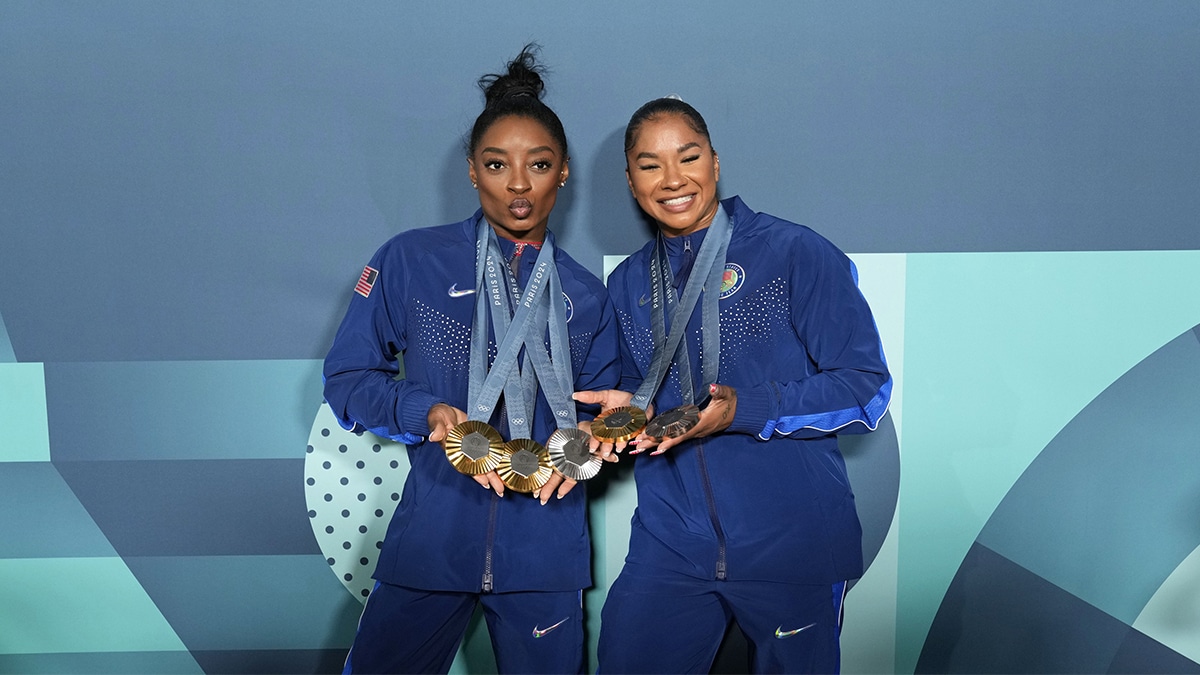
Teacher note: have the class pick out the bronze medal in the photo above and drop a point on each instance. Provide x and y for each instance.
(619, 424)
(525, 465)
(571, 454)
(474, 447)
(674, 422)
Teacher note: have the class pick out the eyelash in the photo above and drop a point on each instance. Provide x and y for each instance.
(539, 165)
(686, 160)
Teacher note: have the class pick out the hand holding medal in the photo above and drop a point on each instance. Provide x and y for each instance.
(618, 425)
(517, 319)
(715, 416)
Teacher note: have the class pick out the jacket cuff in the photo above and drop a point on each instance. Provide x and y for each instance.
(413, 412)
(755, 413)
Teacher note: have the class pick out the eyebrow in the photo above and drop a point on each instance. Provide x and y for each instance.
(502, 151)
(682, 149)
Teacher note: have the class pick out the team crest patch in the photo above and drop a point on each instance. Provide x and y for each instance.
(570, 306)
(732, 280)
(367, 281)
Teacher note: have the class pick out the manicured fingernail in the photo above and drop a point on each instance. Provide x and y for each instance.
(543, 502)
(712, 389)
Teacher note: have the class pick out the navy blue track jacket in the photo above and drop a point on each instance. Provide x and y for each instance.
(768, 499)
(448, 533)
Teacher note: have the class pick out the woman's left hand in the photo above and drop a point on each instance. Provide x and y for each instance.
(716, 417)
(559, 484)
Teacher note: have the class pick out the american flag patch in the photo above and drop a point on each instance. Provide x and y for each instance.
(366, 282)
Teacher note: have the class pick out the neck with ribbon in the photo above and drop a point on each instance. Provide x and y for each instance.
(518, 319)
(667, 303)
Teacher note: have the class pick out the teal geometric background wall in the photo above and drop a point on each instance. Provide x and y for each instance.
(1046, 475)
(189, 190)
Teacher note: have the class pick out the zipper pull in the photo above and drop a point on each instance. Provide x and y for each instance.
(721, 570)
(487, 583)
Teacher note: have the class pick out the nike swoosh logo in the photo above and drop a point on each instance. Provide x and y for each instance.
(642, 301)
(455, 293)
(780, 633)
(539, 632)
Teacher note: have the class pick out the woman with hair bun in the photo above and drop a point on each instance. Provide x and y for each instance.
(469, 306)
(748, 343)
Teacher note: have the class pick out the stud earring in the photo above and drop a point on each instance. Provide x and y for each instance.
(562, 184)
(474, 186)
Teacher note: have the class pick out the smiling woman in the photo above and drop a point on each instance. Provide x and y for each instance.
(774, 352)
(460, 302)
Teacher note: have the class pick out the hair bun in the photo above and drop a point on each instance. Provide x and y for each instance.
(523, 78)
(517, 92)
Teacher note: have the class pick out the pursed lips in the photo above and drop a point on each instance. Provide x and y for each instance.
(521, 208)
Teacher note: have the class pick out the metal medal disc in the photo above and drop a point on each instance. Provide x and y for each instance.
(474, 447)
(525, 465)
(619, 424)
(571, 455)
(674, 422)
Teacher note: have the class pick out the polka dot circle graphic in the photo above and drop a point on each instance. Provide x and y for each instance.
(351, 487)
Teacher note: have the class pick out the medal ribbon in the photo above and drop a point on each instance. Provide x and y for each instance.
(512, 329)
(554, 369)
(707, 272)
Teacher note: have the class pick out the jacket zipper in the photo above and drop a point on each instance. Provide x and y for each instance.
(491, 537)
(712, 511)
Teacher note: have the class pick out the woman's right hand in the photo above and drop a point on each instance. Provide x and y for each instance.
(607, 399)
(442, 418)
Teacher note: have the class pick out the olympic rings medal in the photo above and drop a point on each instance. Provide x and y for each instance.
(571, 455)
(474, 447)
(619, 424)
(674, 422)
(525, 465)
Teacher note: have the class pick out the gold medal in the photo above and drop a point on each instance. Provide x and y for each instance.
(474, 447)
(619, 424)
(525, 465)
(571, 454)
(674, 422)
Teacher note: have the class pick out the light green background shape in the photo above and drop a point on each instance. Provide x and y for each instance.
(24, 430)
(1172, 616)
(1002, 351)
(60, 605)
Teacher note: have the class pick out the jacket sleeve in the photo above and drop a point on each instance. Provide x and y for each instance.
(619, 290)
(363, 386)
(850, 387)
(602, 363)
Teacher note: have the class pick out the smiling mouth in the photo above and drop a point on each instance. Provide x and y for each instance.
(677, 203)
(520, 208)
